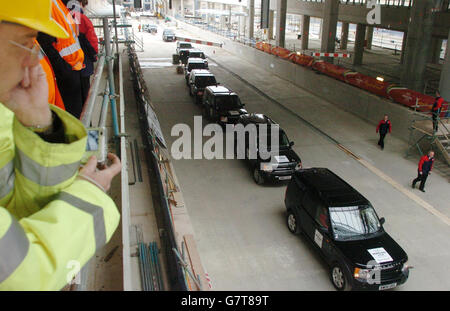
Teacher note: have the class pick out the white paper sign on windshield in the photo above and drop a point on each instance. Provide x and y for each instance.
(380, 255)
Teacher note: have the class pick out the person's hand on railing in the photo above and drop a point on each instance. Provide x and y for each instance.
(102, 176)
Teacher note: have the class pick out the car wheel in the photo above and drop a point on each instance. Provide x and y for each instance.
(292, 222)
(259, 179)
(339, 278)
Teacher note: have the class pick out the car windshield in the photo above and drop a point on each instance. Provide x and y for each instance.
(185, 45)
(353, 221)
(196, 66)
(205, 81)
(168, 32)
(283, 139)
(197, 54)
(228, 102)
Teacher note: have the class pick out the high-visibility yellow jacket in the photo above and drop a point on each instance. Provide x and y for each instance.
(49, 220)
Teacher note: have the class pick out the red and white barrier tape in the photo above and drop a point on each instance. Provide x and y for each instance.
(199, 41)
(343, 55)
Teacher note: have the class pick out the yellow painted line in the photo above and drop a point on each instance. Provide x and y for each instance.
(399, 187)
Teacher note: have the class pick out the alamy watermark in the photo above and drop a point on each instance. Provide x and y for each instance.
(374, 15)
(232, 141)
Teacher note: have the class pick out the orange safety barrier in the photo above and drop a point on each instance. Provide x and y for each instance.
(280, 52)
(267, 47)
(368, 83)
(303, 60)
(409, 98)
(331, 70)
(399, 95)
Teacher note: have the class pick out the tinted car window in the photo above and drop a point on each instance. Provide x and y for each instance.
(196, 66)
(353, 222)
(197, 54)
(185, 45)
(226, 102)
(283, 141)
(322, 216)
(205, 81)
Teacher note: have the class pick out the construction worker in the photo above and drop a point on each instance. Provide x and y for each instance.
(52, 215)
(425, 166)
(436, 110)
(384, 126)
(54, 96)
(66, 58)
(88, 42)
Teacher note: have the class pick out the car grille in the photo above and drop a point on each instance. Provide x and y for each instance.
(285, 168)
(391, 272)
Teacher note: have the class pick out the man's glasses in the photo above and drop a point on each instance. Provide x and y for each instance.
(35, 51)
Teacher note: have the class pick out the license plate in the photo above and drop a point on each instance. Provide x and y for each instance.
(387, 286)
(284, 177)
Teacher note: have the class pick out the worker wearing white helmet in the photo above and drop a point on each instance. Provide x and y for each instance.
(51, 214)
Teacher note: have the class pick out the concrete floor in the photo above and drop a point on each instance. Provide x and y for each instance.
(240, 227)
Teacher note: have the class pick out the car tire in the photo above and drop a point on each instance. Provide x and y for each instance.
(292, 222)
(339, 278)
(257, 177)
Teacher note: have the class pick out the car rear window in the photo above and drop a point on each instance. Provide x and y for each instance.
(205, 81)
(196, 66)
(227, 102)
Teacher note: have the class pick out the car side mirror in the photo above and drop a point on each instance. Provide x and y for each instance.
(291, 144)
(382, 220)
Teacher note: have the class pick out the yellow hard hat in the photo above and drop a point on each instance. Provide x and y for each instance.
(35, 14)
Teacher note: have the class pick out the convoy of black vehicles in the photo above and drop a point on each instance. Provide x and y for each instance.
(199, 79)
(267, 163)
(344, 227)
(341, 223)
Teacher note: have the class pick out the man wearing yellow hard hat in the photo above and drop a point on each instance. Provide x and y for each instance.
(52, 214)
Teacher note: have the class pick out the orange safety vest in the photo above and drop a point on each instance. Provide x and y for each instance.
(69, 49)
(54, 97)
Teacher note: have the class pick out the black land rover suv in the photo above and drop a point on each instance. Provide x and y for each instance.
(344, 227)
(221, 105)
(199, 79)
(275, 165)
(193, 63)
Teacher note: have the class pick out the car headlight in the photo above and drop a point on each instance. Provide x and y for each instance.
(298, 166)
(224, 119)
(266, 167)
(363, 274)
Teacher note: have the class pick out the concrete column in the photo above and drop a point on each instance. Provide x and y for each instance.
(305, 31)
(418, 44)
(329, 25)
(436, 46)
(344, 36)
(281, 22)
(320, 28)
(271, 16)
(242, 25)
(359, 44)
(444, 84)
(369, 37)
(251, 18)
(182, 8)
(223, 17)
(402, 57)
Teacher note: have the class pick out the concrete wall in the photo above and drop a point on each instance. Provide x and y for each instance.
(359, 102)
